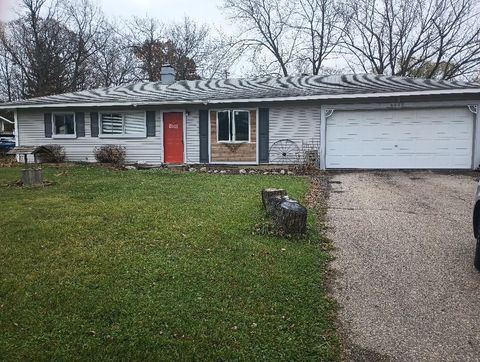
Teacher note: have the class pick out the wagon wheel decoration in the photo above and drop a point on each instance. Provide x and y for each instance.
(284, 151)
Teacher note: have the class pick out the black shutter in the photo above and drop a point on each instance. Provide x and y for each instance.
(80, 123)
(203, 119)
(263, 134)
(47, 119)
(94, 124)
(150, 123)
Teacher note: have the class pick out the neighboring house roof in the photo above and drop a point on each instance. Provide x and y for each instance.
(251, 90)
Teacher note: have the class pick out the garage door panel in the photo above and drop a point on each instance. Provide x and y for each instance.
(423, 138)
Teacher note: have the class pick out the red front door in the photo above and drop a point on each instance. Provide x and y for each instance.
(173, 137)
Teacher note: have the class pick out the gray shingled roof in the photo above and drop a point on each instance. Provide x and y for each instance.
(244, 90)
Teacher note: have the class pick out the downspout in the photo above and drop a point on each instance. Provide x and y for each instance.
(185, 135)
(473, 108)
(16, 131)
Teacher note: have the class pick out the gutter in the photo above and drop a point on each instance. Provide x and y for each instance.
(244, 100)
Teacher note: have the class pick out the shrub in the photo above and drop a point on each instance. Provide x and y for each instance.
(114, 154)
(7, 161)
(51, 154)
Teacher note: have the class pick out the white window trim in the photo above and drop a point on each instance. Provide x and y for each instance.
(60, 135)
(123, 113)
(233, 131)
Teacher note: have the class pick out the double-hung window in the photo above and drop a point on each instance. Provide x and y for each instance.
(119, 124)
(64, 124)
(233, 126)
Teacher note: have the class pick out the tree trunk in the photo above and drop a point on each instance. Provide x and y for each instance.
(290, 216)
(32, 177)
(271, 197)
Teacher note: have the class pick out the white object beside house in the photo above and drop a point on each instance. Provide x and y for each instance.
(354, 121)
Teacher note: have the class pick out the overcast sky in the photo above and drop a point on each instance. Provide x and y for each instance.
(206, 11)
(203, 10)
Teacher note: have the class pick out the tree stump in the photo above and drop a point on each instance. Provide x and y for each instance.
(290, 216)
(32, 177)
(271, 197)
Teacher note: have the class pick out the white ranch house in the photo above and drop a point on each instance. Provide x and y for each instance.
(350, 121)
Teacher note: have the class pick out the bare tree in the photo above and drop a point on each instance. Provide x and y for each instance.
(297, 35)
(266, 27)
(222, 52)
(39, 47)
(51, 46)
(87, 22)
(321, 24)
(213, 54)
(115, 62)
(429, 38)
(187, 45)
(191, 40)
(145, 35)
(62, 46)
(7, 75)
(189, 37)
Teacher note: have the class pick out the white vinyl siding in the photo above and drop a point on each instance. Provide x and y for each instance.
(192, 132)
(32, 133)
(409, 138)
(298, 123)
(149, 149)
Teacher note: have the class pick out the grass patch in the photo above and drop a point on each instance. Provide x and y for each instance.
(157, 265)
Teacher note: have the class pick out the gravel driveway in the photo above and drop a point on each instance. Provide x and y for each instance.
(404, 276)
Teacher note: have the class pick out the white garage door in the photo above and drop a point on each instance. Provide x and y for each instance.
(416, 138)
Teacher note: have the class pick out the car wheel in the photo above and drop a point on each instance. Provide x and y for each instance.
(477, 255)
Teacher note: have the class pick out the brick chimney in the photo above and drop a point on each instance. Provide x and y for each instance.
(167, 74)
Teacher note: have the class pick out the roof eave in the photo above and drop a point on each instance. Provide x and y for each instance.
(243, 100)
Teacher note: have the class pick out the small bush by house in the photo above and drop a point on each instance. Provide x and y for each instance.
(52, 154)
(114, 154)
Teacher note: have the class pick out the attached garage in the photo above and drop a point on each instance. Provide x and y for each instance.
(440, 138)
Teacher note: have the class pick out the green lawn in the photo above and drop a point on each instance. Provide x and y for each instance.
(156, 265)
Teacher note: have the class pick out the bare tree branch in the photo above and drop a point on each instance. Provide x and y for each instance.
(266, 27)
(420, 38)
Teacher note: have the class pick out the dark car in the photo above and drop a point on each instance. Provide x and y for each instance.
(6, 144)
(476, 227)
